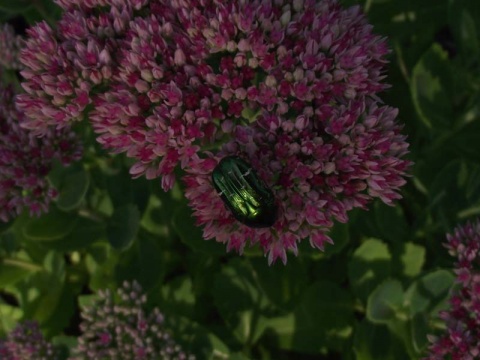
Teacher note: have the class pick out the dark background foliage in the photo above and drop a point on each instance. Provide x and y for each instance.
(375, 294)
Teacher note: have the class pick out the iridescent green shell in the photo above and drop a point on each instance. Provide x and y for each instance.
(244, 193)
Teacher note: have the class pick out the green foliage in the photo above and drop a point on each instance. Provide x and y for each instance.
(429, 293)
(375, 341)
(15, 6)
(189, 233)
(370, 264)
(374, 294)
(385, 302)
(123, 226)
(412, 259)
(52, 226)
(282, 285)
(72, 184)
(430, 80)
(240, 302)
(323, 318)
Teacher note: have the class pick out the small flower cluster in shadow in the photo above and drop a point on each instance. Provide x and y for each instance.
(26, 342)
(114, 326)
(461, 338)
(26, 160)
(10, 45)
(119, 327)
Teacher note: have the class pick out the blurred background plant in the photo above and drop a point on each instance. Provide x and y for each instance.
(375, 294)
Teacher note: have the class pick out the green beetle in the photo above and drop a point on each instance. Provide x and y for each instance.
(244, 193)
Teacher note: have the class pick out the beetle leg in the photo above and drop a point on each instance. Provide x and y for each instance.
(248, 172)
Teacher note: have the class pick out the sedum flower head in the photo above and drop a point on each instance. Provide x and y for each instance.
(25, 161)
(120, 328)
(305, 75)
(26, 342)
(317, 175)
(290, 86)
(10, 45)
(460, 340)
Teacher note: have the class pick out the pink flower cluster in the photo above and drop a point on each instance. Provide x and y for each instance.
(159, 107)
(319, 136)
(461, 339)
(10, 45)
(165, 76)
(317, 175)
(25, 161)
(290, 86)
(64, 66)
(193, 70)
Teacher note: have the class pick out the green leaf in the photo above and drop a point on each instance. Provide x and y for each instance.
(363, 225)
(412, 259)
(86, 300)
(430, 292)
(385, 302)
(101, 262)
(72, 189)
(65, 306)
(40, 294)
(240, 302)
(179, 297)
(391, 222)
(374, 342)
(4, 226)
(472, 188)
(32, 16)
(54, 265)
(154, 219)
(143, 262)
(419, 330)
(191, 234)
(368, 267)
(447, 193)
(123, 226)
(282, 284)
(15, 6)
(333, 268)
(430, 78)
(9, 317)
(284, 329)
(463, 17)
(9, 274)
(470, 35)
(13, 270)
(412, 23)
(84, 233)
(323, 317)
(238, 356)
(51, 226)
(465, 141)
(197, 339)
(8, 243)
(124, 190)
(34, 11)
(341, 236)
